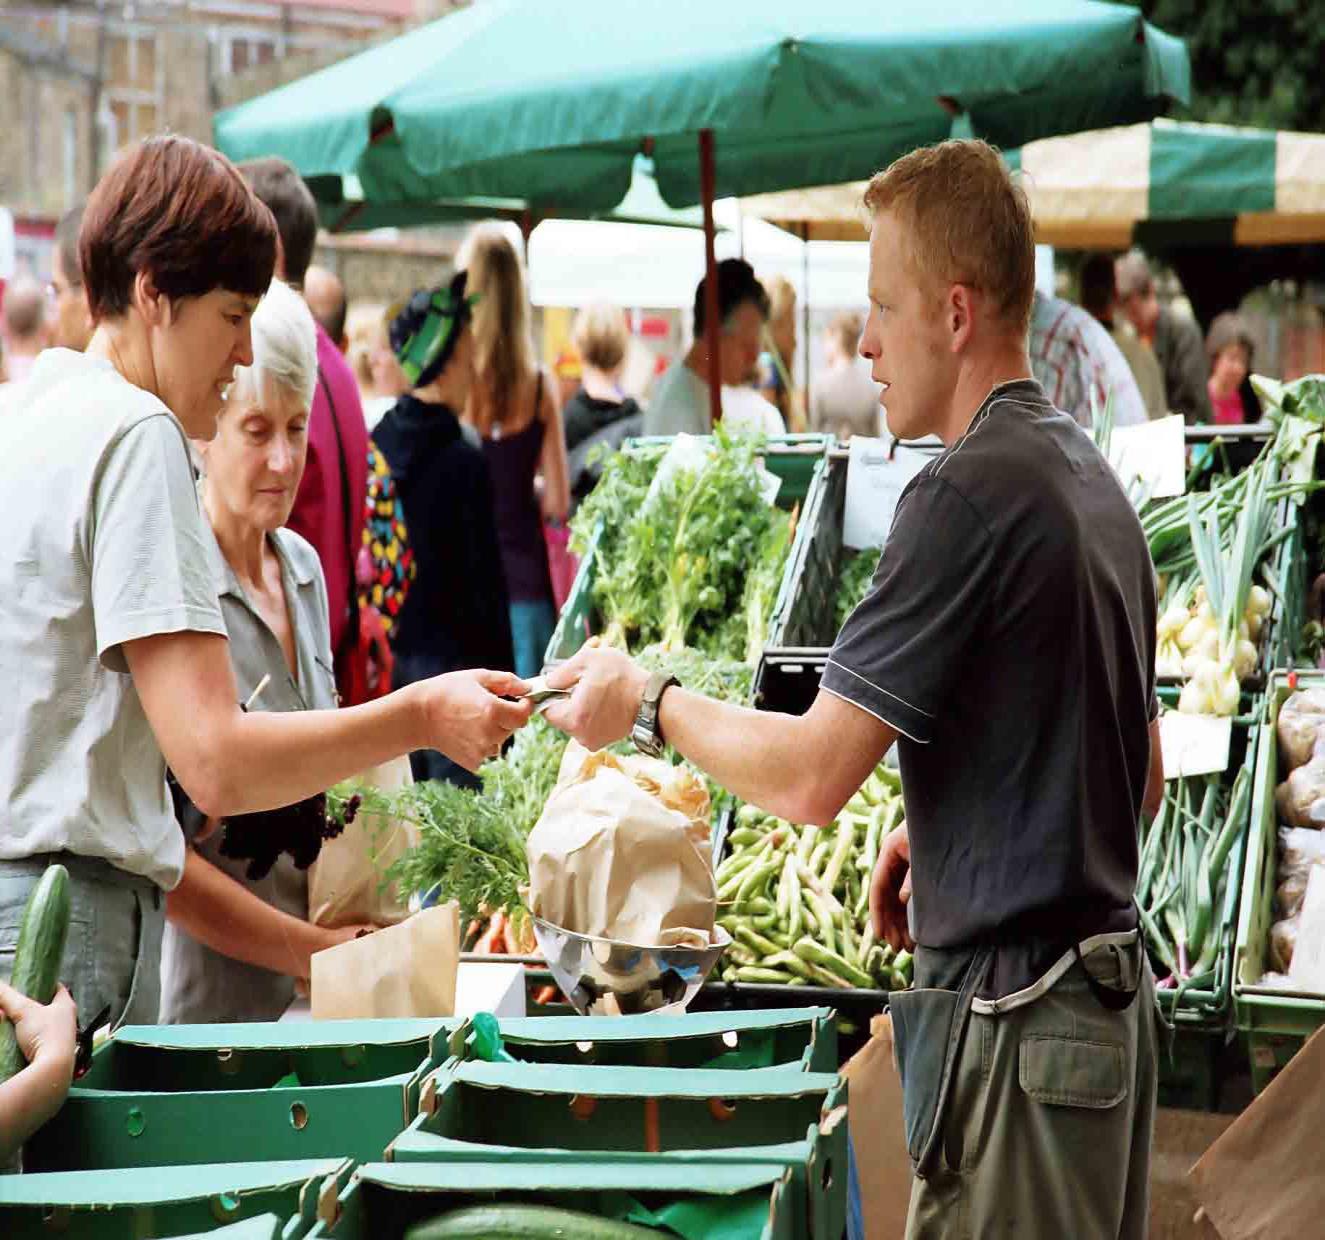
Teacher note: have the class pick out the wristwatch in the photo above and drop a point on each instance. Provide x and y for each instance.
(646, 735)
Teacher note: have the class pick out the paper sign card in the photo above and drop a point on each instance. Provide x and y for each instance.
(1194, 744)
(1155, 453)
(877, 473)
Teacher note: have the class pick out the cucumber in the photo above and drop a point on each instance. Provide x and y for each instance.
(37, 957)
(525, 1222)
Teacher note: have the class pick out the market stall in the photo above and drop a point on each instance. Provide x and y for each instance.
(1159, 184)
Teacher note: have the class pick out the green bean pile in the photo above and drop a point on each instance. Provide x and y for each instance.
(796, 899)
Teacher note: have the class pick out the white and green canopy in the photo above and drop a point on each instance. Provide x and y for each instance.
(1162, 183)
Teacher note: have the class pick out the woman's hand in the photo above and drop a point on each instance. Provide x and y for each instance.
(890, 891)
(326, 938)
(469, 715)
(47, 1032)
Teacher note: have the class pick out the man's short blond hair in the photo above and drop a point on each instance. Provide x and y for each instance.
(601, 335)
(968, 221)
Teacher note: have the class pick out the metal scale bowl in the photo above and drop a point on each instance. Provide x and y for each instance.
(603, 977)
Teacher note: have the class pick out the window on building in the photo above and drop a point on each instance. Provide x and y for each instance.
(133, 83)
(248, 50)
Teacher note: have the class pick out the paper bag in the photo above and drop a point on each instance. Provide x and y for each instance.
(878, 1135)
(345, 885)
(404, 970)
(1261, 1180)
(613, 856)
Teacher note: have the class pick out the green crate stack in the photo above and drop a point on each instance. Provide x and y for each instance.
(705, 1090)
(238, 1201)
(383, 1200)
(796, 459)
(746, 1131)
(1274, 1023)
(194, 1094)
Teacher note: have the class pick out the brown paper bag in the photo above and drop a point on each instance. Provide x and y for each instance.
(1261, 1180)
(615, 855)
(878, 1135)
(404, 970)
(345, 882)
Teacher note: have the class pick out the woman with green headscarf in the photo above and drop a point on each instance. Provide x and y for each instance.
(455, 615)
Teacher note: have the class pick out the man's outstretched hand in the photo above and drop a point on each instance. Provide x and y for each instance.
(607, 690)
(890, 891)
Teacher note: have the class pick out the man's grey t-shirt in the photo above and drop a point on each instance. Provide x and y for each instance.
(1009, 636)
(679, 403)
(104, 544)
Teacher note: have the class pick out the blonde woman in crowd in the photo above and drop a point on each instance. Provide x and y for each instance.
(599, 412)
(513, 406)
(376, 370)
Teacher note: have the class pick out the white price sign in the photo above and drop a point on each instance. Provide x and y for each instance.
(1194, 744)
(1154, 452)
(877, 473)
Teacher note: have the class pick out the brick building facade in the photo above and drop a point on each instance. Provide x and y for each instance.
(83, 78)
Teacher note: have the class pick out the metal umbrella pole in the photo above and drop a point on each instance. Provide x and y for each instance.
(707, 178)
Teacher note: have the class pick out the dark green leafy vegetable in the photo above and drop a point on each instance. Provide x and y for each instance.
(673, 564)
(467, 845)
(853, 582)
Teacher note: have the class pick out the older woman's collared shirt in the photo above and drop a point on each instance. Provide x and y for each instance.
(200, 985)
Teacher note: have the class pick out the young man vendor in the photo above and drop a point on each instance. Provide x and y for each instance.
(1008, 646)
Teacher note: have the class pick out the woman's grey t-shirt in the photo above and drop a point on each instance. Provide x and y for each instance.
(1009, 636)
(103, 544)
(199, 985)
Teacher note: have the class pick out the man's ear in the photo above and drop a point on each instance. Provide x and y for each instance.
(959, 311)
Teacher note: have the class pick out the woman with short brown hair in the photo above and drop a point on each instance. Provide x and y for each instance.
(113, 647)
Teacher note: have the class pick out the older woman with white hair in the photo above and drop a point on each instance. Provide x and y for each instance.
(238, 937)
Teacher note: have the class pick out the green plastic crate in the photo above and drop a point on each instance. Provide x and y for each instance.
(480, 1112)
(472, 1102)
(182, 1094)
(805, 615)
(383, 1199)
(796, 459)
(804, 611)
(169, 1201)
(1275, 1023)
(804, 1038)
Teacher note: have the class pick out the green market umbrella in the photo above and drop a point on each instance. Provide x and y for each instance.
(549, 103)
(343, 207)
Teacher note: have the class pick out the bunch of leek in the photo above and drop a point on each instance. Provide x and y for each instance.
(1221, 653)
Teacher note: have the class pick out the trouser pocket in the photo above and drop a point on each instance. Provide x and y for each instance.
(922, 1028)
(928, 1027)
(1072, 1072)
